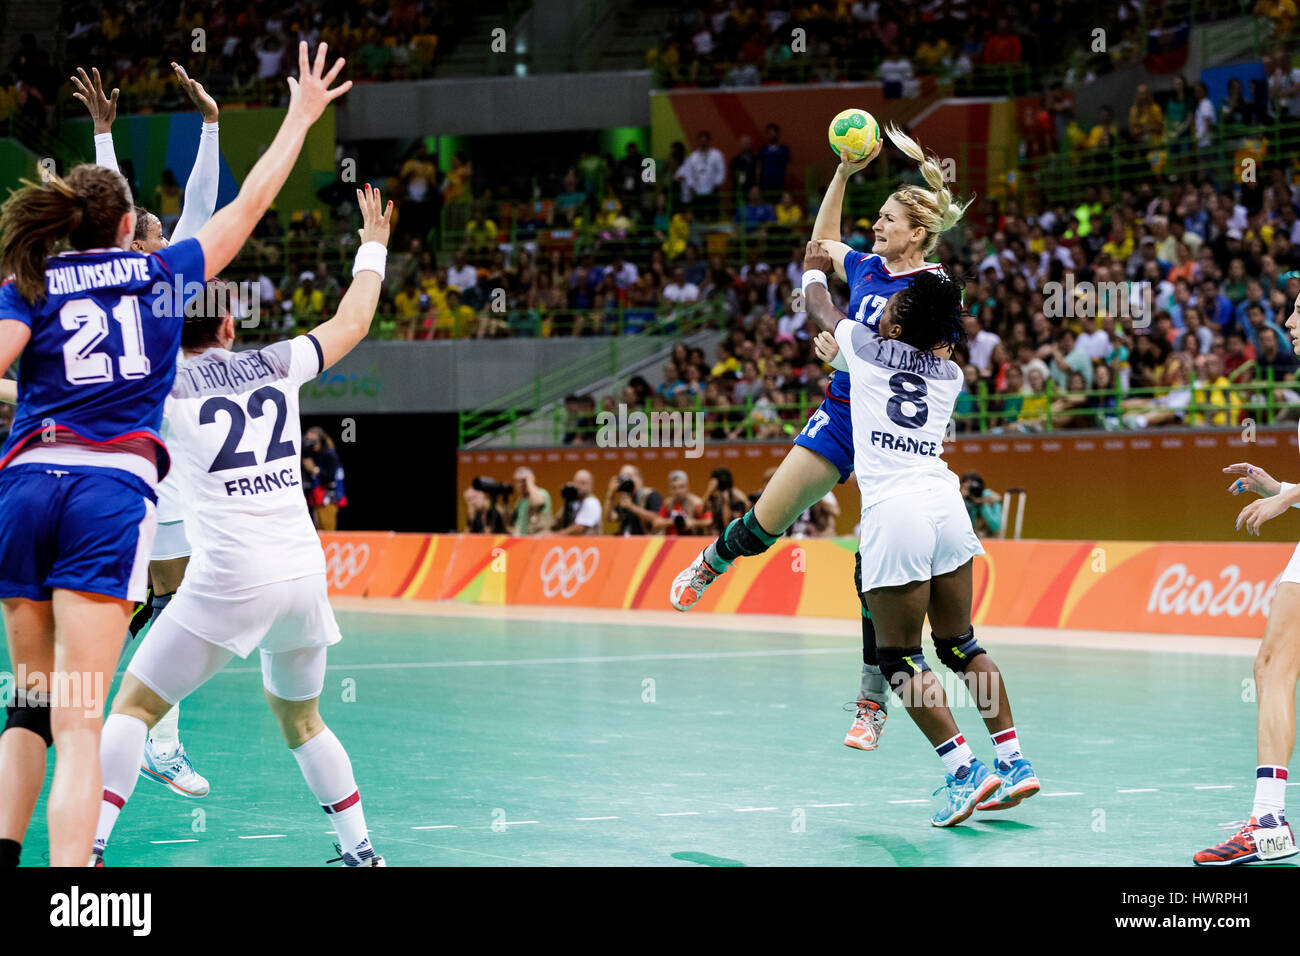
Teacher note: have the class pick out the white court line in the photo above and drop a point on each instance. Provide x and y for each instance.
(818, 806)
(595, 818)
(1213, 786)
(783, 624)
(753, 809)
(516, 823)
(264, 836)
(1140, 790)
(680, 813)
(437, 826)
(161, 842)
(1064, 793)
(909, 801)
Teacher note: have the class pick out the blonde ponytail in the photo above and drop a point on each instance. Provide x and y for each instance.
(935, 210)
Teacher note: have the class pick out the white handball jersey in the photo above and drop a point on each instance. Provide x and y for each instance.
(171, 506)
(238, 465)
(901, 400)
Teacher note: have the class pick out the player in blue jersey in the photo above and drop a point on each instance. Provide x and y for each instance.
(98, 329)
(165, 759)
(907, 229)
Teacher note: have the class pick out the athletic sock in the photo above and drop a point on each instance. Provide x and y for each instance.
(1270, 795)
(1006, 746)
(328, 772)
(10, 851)
(711, 557)
(956, 756)
(874, 687)
(165, 738)
(121, 747)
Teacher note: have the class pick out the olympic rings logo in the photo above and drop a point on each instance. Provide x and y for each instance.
(343, 562)
(564, 570)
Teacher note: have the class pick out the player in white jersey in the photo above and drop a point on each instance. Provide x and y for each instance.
(256, 580)
(917, 541)
(165, 759)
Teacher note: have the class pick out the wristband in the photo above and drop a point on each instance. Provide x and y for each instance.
(371, 257)
(1287, 486)
(812, 277)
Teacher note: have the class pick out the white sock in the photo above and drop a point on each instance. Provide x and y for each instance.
(1006, 746)
(328, 772)
(955, 754)
(165, 738)
(121, 748)
(1270, 794)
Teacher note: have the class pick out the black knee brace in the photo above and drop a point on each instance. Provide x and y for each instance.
(744, 537)
(30, 711)
(956, 653)
(869, 656)
(901, 664)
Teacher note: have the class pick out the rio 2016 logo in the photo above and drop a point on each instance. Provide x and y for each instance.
(564, 570)
(343, 562)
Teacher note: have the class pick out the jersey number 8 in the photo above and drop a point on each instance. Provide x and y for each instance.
(915, 395)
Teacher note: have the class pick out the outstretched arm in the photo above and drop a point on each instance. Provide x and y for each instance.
(222, 236)
(201, 187)
(816, 296)
(826, 228)
(103, 110)
(351, 323)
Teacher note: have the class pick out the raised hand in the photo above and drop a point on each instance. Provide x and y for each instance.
(1253, 516)
(103, 109)
(200, 97)
(310, 92)
(1252, 478)
(375, 219)
(815, 257)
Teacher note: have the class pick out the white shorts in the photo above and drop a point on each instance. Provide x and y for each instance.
(916, 536)
(1292, 573)
(282, 616)
(170, 542)
(174, 663)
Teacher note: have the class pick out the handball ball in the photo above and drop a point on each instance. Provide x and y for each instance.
(854, 134)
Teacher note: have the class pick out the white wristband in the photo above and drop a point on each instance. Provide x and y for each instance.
(371, 257)
(812, 277)
(1287, 486)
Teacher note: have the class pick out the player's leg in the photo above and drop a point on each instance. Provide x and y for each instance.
(87, 629)
(956, 647)
(25, 737)
(822, 456)
(873, 692)
(171, 664)
(1267, 835)
(165, 759)
(293, 681)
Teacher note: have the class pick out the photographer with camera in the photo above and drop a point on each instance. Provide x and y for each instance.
(983, 506)
(629, 503)
(682, 512)
(483, 514)
(724, 500)
(533, 509)
(582, 512)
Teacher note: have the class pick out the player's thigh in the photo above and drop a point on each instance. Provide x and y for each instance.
(950, 602)
(166, 575)
(898, 613)
(172, 662)
(88, 633)
(801, 480)
(29, 633)
(1279, 652)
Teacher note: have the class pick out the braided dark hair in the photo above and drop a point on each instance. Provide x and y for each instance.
(929, 312)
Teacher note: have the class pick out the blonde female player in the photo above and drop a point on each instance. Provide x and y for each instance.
(77, 514)
(257, 578)
(165, 759)
(917, 540)
(1267, 836)
(907, 229)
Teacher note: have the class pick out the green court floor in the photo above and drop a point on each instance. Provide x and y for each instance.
(478, 741)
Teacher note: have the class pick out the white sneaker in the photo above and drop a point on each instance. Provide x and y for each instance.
(175, 772)
(690, 584)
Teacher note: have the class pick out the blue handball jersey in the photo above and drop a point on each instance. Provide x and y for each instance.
(870, 286)
(102, 354)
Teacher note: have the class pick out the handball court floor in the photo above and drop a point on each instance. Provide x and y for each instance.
(521, 736)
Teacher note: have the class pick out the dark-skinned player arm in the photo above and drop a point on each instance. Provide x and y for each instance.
(816, 294)
(351, 323)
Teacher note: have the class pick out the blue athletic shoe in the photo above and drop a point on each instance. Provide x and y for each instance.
(1018, 783)
(175, 773)
(964, 794)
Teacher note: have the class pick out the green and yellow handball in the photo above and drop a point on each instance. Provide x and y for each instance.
(853, 134)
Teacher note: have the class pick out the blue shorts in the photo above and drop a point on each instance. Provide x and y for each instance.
(830, 433)
(75, 527)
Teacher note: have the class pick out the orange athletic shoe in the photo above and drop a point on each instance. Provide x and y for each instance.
(867, 727)
(689, 585)
(1251, 844)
